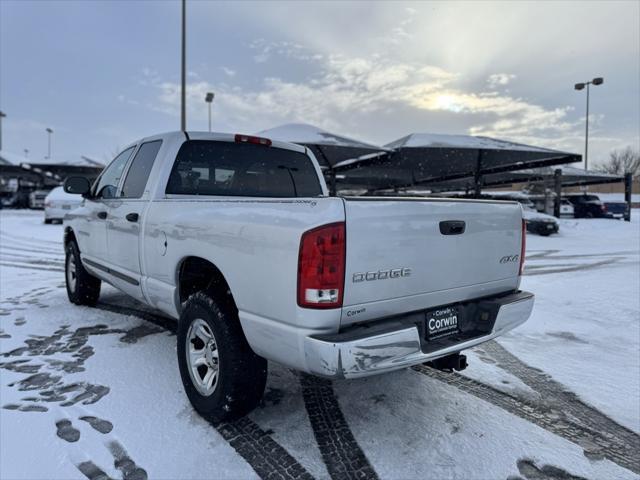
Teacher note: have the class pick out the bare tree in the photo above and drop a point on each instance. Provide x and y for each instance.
(625, 160)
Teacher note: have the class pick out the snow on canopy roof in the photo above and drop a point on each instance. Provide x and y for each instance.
(439, 140)
(312, 135)
(9, 158)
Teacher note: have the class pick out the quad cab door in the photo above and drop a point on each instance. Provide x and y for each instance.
(92, 232)
(124, 221)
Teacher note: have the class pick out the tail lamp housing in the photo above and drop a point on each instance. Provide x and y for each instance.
(321, 265)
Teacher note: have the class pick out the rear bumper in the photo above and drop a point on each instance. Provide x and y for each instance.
(399, 343)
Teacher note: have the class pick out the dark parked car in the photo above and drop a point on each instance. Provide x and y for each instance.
(587, 206)
(616, 209)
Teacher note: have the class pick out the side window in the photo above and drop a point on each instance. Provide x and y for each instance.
(107, 183)
(139, 170)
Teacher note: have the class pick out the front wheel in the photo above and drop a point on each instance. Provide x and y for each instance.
(82, 287)
(223, 378)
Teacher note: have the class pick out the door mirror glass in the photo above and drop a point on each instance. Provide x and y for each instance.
(77, 185)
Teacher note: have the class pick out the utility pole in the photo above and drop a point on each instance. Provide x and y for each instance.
(2, 115)
(183, 97)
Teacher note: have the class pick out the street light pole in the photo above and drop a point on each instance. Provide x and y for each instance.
(580, 86)
(2, 115)
(183, 107)
(49, 132)
(209, 99)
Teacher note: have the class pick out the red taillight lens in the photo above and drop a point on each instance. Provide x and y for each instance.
(523, 246)
(251, 139)
(321, 267)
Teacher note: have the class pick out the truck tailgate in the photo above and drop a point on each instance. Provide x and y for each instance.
(396, 250)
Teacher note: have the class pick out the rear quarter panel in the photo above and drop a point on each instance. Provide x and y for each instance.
(254, 243)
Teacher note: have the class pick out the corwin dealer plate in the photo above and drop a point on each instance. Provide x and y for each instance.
(441, 322)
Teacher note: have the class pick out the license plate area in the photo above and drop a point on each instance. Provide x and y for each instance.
(442, 322)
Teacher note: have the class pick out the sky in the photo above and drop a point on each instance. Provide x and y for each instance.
(102, 74)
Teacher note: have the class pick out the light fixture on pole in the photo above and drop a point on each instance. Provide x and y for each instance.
(49, 132)
(581, 86)
(26, 153)
(2, 115)
(209, 99)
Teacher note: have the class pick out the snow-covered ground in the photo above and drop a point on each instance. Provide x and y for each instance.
(86, 391)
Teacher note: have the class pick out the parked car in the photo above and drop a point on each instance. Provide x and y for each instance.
(540, 223)
(566, 208)
(36, 199)
(587, 205)
(14, 198)
(237, 239)
(58, 203)
(616, 209)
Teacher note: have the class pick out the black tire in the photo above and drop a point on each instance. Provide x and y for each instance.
(85, 290)
(241, 375)
(47, 221)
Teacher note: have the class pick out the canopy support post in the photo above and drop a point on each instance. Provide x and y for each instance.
(557, 177)
(628, 184)
(332, 182)
(477, 178)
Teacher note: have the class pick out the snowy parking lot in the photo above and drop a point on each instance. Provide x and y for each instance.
(96, 393)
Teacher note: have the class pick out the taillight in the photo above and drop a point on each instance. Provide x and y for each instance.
(321, 267)
(251, 139)
(523, 246)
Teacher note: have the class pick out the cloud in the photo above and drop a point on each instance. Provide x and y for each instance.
(291, 50)
(499, 79)
(347, 93)
(229, 72)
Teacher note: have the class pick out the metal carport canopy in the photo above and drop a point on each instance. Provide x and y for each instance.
(570, 177)
(328, 147)
(423, 159)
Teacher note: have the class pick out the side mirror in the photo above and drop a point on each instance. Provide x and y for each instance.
(77, 185)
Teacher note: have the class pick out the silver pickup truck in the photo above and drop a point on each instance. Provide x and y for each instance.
(236, 238)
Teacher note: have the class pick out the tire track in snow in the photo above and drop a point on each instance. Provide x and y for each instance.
(340, 451)
(557, 395)
(575, 268)
(30, 267)
(257, 447)
(617, 444)
(268, 458)
(11, 248)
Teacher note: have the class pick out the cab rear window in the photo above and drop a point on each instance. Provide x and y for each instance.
(205, 167)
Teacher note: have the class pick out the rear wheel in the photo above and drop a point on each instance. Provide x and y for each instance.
(82, 287)
(223, 378)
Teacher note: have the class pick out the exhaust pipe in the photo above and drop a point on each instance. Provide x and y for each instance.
(449, 363)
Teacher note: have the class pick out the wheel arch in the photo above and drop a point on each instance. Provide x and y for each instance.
(197, 274)
(69, 236)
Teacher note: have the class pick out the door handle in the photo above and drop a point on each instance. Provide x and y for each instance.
(452, 227)
(102, 215)
(132, 217)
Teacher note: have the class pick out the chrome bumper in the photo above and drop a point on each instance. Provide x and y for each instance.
(343, 356)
